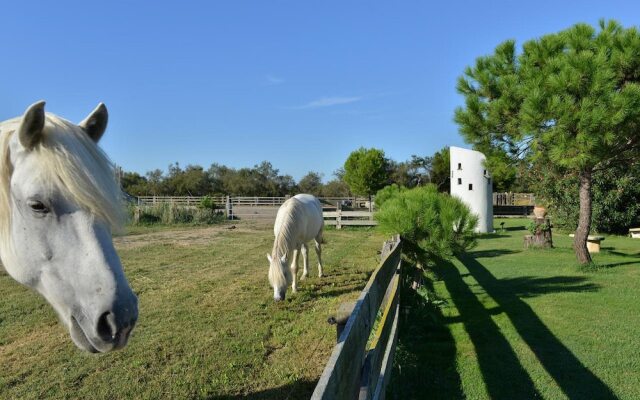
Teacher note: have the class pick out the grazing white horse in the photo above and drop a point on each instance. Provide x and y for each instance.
(58, 203)
(298, 221)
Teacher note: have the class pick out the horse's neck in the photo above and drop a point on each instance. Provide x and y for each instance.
(283, 245)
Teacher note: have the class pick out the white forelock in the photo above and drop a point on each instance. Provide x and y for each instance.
(71, 161)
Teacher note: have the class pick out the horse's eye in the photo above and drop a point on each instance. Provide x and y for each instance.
(38, 207)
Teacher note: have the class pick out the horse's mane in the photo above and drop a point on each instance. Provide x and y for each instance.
(292, 210)
(70, 160)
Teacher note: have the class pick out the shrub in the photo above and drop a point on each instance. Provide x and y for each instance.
(168, 214)
(387, 193)
(207, 203)
(615, 198)
(432, 224)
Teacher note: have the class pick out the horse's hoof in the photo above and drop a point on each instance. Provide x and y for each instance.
(303, 277)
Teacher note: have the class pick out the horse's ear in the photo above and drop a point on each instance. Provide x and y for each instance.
(269, 258)
(30, 130)
(96, 123)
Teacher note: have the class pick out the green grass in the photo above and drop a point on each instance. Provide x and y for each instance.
(208, 326)
(508, 323)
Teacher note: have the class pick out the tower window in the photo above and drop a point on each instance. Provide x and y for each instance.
(459, 181)
(471, 186)
(459, 165)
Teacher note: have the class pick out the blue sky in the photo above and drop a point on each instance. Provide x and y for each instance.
(298, 83)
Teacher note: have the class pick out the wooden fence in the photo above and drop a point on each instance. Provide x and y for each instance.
(340, 218)
(514, 199)
(499, 199)
(177, 200)
(360, 365)
(349, 209)
(353, 202)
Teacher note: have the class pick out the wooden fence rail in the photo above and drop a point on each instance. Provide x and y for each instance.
(514, 199)
(265, 208)
(340, 218)
(499, 199)
(355, 202)
(360, 364)
(177, 200)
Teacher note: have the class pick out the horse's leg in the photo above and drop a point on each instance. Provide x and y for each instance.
(294, 272)
(305, 261)
(318, 242)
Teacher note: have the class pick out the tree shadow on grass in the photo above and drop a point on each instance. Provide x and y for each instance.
(611, 250)
(528, 286)
(598, 266)
(298, 390)
(515, 228)
(492, 253)
(494, 235)
(574, 379)
(335, 284)
(504, 376)
(425, 359)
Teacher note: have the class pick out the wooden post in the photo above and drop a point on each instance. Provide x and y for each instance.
(136, 215)
(341, 317)
(227, 208)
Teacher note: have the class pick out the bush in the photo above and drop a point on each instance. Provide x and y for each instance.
(169, 214)
(615, 198)
(432, 224)
(387, 193)
(207, 203)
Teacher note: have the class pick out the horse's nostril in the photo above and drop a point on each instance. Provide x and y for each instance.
(107, 328)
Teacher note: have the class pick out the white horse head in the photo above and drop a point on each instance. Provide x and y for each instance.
(58, 203)
(279, 275)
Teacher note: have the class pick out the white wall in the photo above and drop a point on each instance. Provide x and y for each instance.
(467, 168)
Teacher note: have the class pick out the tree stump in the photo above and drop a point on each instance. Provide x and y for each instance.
(541, 237)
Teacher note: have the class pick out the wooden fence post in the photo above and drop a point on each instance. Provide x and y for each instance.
(136, 215)
(227, 208)
(356, 367)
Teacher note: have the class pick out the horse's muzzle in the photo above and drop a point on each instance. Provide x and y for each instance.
(280, 296)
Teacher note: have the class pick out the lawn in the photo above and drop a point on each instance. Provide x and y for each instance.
(506, 323)
(208, 326)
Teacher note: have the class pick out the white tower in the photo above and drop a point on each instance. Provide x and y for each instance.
(471, 183)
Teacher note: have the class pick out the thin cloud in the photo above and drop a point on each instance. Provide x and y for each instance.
(274, 80)
(329, 102)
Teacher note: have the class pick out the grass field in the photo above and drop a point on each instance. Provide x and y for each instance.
(505, 323)
(208, 326)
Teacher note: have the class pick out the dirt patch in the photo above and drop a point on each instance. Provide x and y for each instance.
(188, 236)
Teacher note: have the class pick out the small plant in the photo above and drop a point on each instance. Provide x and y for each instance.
(536, 228)
(207, 203)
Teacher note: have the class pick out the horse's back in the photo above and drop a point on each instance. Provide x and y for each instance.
(310, 219)
(311, 202)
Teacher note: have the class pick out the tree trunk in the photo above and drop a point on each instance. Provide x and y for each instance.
(584, 220)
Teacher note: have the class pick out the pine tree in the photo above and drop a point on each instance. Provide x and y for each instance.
(571, 99)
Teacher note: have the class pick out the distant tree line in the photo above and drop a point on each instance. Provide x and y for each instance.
(260, 180)
(264, 179)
